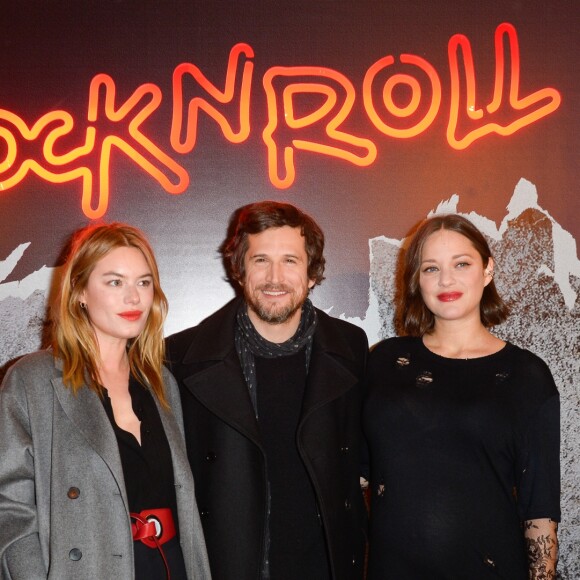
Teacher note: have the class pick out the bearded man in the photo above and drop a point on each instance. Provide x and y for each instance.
(271, 389)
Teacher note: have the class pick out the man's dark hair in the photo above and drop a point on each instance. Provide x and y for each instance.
(263, 215)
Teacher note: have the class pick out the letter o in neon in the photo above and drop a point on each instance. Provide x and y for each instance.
(416, 96)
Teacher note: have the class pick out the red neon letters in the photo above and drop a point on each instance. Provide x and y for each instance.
(294, 123)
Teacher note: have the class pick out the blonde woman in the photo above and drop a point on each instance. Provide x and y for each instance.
(94, 478)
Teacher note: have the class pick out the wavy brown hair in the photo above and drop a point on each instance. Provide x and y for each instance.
(416, 318)
(258, 217)
(73, 338)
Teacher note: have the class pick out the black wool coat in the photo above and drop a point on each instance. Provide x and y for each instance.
(227, 457)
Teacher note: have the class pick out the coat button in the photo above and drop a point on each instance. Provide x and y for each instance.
(204, 513)
(347, 504)
(488, 561)
(75, 554)
(73, 493)
(211, 456)
(344, 450)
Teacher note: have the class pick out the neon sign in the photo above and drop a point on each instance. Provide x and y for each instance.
(112, 125)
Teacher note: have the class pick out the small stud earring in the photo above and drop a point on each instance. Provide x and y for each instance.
(83, 305)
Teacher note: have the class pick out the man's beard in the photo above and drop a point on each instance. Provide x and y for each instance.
(273, 314)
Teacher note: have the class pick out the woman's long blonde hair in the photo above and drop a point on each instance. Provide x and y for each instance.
(73, 338)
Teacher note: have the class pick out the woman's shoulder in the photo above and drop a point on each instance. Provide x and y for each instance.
(42, 361)
(529, 368)
(395, 344)
(524, 355)
(29, 377)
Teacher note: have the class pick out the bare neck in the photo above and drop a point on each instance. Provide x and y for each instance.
(455, 339)
(114, 364)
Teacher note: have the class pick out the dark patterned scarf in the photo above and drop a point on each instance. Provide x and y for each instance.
(250, 343)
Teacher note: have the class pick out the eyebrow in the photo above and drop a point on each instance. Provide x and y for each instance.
(118, 275)
(264, 255)
(455, 257)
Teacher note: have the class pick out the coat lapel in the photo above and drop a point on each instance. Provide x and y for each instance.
(222, 389)
(182, 477)
(176, 442)
(328, 379)
(220, 385)
(86, 412)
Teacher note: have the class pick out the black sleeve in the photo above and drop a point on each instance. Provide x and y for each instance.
(539, 483)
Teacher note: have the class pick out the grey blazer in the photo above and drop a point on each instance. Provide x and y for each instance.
(52, 441)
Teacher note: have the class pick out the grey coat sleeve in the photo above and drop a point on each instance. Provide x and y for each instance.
(20, 551)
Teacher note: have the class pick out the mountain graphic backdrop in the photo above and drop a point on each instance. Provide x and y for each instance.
(537, 273)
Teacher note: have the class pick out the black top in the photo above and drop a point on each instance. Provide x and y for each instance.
(462, 451)
(148, 475)
(297, 548)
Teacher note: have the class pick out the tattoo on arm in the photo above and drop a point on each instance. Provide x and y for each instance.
(542, 546)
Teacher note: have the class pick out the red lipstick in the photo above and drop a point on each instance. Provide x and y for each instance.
(131, 315)
(449, 296)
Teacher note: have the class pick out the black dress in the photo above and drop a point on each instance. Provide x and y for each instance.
(148, 474)
(461, 452)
